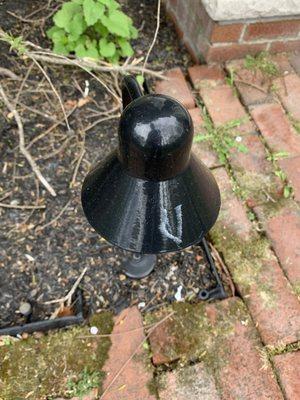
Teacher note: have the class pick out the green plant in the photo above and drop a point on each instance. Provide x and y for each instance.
(86, 382)
(96, 29)
(222, 138)
(274, 157)
(262, 63)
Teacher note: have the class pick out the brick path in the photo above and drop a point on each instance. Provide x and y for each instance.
(247, 347)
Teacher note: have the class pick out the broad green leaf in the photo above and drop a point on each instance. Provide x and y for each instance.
(133, 32)
(107, 49)
(114, 59)
(126, 49)
(118, 23)
(59, 48)
(77, 26)
(92, 11)
(110, 4)
(101, 29)
(64, 16)
(50, 32)
(83, 51)
(60, 37)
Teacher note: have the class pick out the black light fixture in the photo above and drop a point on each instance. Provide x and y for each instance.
(151, 195)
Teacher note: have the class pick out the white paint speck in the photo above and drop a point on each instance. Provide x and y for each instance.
(94, 330)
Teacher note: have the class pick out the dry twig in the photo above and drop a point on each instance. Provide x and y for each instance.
(23, 149)
(155, 36)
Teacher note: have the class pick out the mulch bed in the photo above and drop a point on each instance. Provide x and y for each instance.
(42, 251)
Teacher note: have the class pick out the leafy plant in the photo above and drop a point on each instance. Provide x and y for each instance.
(86, 382)
(274, 157)
(262, 63)
(96, 29)
(222, 138)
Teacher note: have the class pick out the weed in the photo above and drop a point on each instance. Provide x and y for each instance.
(222, 138)
(95, 29)
(85, 382)
(294, 122)
(262, 63)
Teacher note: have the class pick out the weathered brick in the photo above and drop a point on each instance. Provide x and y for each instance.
(223, 107)
(288, 370)
(200, 74)
(176, 87)
(288, 90)
(272, 29)
(193, 383)
(254, 172)
(222, 335)
(283, 230)
(202, 150)
(127, 386)
(255, 270)
(225, 33)
(295, 62)
(291, 167)
(282, 63)
(284, 45)
(252, 85)
(223, 52)
(276, 128)
(233, 217)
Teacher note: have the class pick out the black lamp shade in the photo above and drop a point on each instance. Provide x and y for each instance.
(151, 195)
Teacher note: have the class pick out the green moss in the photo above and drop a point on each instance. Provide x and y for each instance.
(43, 366)
(245, 260)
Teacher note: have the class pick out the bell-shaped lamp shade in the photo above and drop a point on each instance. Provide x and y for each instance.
(151, 195)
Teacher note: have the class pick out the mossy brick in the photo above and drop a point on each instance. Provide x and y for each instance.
(255, 270)
(283, 230)
(291, 167)
(202, 150)
(203, 75)
(276, 128)
(254, 173)
(191, 382)
(41, 368)
(288, 90)
(127, 338)
(224, 106)
(233, 216)
(176, 86)
(223, 338)
(287, 367)
(252, 86)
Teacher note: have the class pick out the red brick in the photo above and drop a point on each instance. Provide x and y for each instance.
(276, 128)
(202, 150)
(295, 62)
(288, 370)
(224, 106)
(273, 306)
(176, 87)
(193, 383)
(235, 219)
(282, 62)
(254, 173)
(200, 74)
(127, 386)
(291, 167)
(223, 335)
(226, 33)
(284, 45)
(245, 80)
(272, 29)
(288, 89)
(232, 51)
(284, 233)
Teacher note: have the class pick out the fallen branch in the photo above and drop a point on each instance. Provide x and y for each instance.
(22, 207)
(22, 147)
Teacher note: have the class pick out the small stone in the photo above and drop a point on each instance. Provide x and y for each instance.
(25, 309)
(94, 330)
(122, 277)
(25, 335)
(178, 295)
(141, 304)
